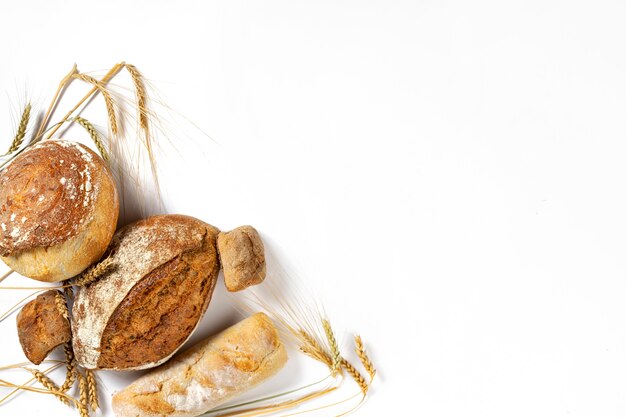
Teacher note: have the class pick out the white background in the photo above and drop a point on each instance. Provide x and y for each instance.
(447, 176)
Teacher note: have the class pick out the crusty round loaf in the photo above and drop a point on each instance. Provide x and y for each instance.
(58, 210)
(140, 313)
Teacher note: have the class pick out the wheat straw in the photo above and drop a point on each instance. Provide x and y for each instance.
(68, 289)
(24, 386)
(112, 73)
(141, 98)
(62, 85)
(272, 408)
(6, 275)
(17, 305)
(108, 99)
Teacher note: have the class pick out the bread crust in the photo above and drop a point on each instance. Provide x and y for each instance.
(58, 210)
(139, 314)
(208, 374)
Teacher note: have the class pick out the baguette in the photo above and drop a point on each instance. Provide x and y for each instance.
(207, 375)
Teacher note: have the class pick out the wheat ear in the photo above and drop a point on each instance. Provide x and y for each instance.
(95, 136)
(356, 375)
(21, 130)
(334, 347)
(108, 99)
(70, 376)
(311, 348)
(92, 274)
(362, 354)
(93, 390)
(59, 300)
(83, 394)
(140, 95)
(48, 384)
(141, 98)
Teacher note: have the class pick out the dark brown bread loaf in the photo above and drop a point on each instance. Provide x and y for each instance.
(41, 327)
(58, 210)
(139, 314)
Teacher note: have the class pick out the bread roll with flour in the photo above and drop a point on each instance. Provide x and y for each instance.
(139, 313)
(58, 210)
(207, 375)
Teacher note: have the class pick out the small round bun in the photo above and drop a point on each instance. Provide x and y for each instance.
(58, 210)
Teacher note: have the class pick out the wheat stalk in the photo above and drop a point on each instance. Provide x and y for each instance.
(92, 274)
(59, 300)
(93, 390)
(140, 95)
(365, 360)
(44, 380)
(104, 81)
(334, 348)
(68, 290)
(70, 376)
(95, 136)
(141, 98)
(356, 375)
(83, 392)
(312, 348)
(108, 99)
(21, 130)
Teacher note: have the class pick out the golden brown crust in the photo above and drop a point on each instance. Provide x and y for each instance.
(45, 195)
(161, 311)
(138, 314)
(208, 374)
(41, 327)
(242, 256)
(58, 210)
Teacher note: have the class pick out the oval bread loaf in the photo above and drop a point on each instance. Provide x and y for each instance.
(137, 315)
(58, 210)
(207, 375)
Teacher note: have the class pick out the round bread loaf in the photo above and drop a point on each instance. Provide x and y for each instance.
(58, 210)
(137, 315)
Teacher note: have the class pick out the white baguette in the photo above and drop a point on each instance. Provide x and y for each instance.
(207, 375)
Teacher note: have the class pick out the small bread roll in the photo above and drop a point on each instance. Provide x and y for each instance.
(139, 313)
(41, 327)
(58, 210)
(243, 258)
(207, 375)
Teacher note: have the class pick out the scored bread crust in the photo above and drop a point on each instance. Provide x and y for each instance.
(58, 210)
(208, 374)
(116, 312)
